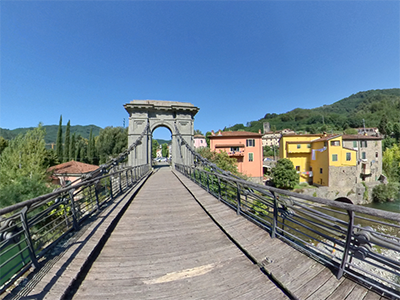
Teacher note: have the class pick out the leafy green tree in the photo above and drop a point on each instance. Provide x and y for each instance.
(81, 149)
(67, 142)
(197, 132)
(396, 131)
(59, 145)
(164, 150)
(154, 146)
(111, 142)
(3, 144)
(268, 151)
(391, 163)
(383, 125)
(351, 131)
(23, 168)
(221, 159)
(284, 174)
(385, 192)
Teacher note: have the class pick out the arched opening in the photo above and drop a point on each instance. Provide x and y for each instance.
(147, 115)
(161, 146)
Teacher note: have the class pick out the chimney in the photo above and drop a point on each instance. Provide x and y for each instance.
(212, 132)
(219, 132)
(259, 131)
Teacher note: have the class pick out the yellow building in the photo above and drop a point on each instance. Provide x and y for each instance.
(320, 159)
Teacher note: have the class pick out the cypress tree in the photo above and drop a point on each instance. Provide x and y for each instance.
(59, 146)
(90, 148)
(72, 147)
(67, 142)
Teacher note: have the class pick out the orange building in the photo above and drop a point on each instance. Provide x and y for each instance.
(245, 147)
(68, 172)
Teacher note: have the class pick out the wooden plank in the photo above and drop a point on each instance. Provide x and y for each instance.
(166, 247)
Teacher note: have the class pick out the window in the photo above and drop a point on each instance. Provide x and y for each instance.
(308, 145)
(298, 168)
(234, 149)
(334, 157)
(201, 141)
(298, 146)
(354, 144)
(251, 157)
(348, 156)
(363, 144)
(335, 143)
(320, 170)
(250, 143)
(363, 155)
(376, 154)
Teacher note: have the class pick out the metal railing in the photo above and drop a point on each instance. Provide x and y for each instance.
(28, 230)
(363, 243)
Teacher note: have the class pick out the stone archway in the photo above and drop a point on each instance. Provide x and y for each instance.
(157, 113)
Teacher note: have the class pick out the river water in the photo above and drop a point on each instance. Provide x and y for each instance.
(388, 206)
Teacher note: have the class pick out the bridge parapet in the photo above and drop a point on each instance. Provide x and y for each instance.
(28, 230)
(363, 243)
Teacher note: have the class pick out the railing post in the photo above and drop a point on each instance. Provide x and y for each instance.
(347, 246)
(275, 219)
(238, 200)
(208, 183)
(28, 238)
(111, 188)
(120, 182)
(96, 192)
(219, 189)
(74, 212)
(127, 180)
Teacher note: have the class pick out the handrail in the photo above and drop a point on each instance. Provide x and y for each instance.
(29, 229)
(361, 242)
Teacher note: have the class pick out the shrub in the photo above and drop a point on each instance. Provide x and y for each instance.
(385, 192)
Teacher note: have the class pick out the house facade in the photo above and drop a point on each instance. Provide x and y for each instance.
(321, 159)
(369, 155)
(199, 141)
(245, 147)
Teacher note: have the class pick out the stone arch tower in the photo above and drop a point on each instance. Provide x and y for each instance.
(156, 114)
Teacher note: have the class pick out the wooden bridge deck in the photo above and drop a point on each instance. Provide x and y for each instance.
(174, 242)
(166, 247)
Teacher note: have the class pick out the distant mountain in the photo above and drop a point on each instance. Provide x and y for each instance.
(160, 141)
(51, 132)
(367, 107)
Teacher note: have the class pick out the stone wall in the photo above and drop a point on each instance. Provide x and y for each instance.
(357, 193)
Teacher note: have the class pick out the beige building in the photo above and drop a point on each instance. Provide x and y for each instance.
(369, 155)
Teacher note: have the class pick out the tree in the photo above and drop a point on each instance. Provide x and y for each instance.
(91, 148)
(197, 132)
(3, 144)
(111, 142)
(164, 150)
(396, 131)
(284, 174)
(81, 149)
(383, 125)
(23, 166)
(72, 147)
(221, 159)
(154, 148)
(67, 142)
(391, 163)
(59, 146)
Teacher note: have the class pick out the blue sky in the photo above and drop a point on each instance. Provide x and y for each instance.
(235, 60)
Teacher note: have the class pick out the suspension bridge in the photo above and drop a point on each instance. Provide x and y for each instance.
(191, 230)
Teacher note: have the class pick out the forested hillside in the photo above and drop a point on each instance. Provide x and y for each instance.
(374, 106)
(51, 132)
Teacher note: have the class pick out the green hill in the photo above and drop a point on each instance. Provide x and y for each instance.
(370, 106)
(51, 132)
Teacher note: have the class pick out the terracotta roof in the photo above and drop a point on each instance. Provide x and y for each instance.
(199, 136)
(327, 138)
(235, 133)
(351, 137)
(72, 167)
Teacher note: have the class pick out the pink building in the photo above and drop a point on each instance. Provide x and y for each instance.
(199, 141)
(245, 147)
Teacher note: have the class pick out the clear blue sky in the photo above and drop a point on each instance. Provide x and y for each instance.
(236, 60)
